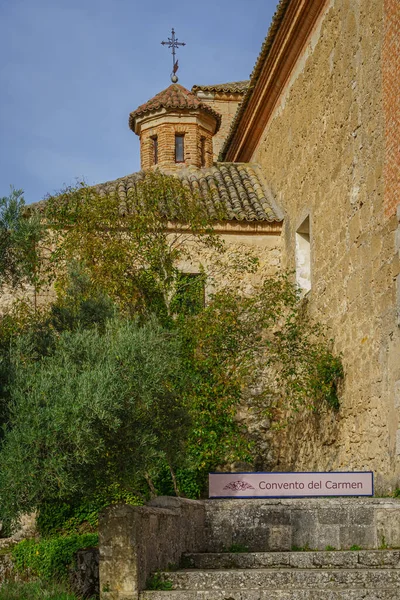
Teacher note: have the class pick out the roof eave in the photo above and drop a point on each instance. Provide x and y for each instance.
(136, 119)
(289, 31)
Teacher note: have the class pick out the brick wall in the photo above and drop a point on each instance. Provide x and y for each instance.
(166, 145)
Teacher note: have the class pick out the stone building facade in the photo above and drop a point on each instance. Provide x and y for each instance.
(320, 118)
(224, 99)
(308, 173)
(322, 121)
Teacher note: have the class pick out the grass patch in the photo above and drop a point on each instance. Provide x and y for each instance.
(157, 582)
(35, 590)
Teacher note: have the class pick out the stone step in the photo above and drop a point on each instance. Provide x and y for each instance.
(276, 594)
(350, 559)
(256, 579)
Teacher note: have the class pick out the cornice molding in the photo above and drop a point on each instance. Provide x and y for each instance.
(289, 42)
(236, 227)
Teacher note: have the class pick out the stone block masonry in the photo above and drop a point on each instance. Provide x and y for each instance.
(138, 541)
(135, 541)
(330, 149)
(280, 525)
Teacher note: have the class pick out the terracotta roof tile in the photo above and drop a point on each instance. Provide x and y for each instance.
(174, 97)
(238, 87)
(233, 191)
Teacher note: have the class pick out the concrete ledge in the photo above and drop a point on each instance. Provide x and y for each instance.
(135, 541)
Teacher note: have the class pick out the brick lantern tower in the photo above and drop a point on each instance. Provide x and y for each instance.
(175, 130)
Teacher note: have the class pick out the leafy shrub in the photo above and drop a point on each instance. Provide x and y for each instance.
(111, 407)
(67, 518)
(50, 558)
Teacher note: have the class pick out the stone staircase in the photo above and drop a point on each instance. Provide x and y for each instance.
(307, 575)
(139, 547)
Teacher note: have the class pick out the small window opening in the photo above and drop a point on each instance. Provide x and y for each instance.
(155, 149)
(303, 256)
(189, 297)
(203, 151)
(179, 148)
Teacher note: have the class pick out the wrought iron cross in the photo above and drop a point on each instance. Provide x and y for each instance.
(173, 44)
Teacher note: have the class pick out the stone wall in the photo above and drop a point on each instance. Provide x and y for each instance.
(84, 574)
(391, 103)
(312, 523)
(261, 240)
(322, 153)
(136, 541)
(7, 571)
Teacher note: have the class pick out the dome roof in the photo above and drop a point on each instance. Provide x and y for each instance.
(175, 97)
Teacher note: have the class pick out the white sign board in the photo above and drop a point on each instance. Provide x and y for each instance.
(290, 485)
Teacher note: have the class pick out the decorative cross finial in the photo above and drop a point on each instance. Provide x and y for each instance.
(174, 44)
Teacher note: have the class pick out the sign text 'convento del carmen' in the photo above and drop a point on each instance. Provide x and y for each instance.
(290, 485)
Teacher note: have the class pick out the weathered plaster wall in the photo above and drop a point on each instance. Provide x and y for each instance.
(323, 155)
(9, 297)
(263, 241)
(226, 104)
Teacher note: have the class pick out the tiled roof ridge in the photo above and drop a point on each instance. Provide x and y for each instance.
(238, 189)
(265, 48)
(231, 86)
(174, 96)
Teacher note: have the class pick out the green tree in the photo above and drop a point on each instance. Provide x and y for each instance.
(80, 304)
(96, 400)
(102, 409)
(131, 247)
(23, 238)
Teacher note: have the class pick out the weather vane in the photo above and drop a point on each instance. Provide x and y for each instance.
(174, 44)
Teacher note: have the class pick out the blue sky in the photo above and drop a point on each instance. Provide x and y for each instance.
(72, 70)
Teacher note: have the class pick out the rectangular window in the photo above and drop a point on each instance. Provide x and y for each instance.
(155, 149)
(303, 256)
(179, 148)
(203, 151)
